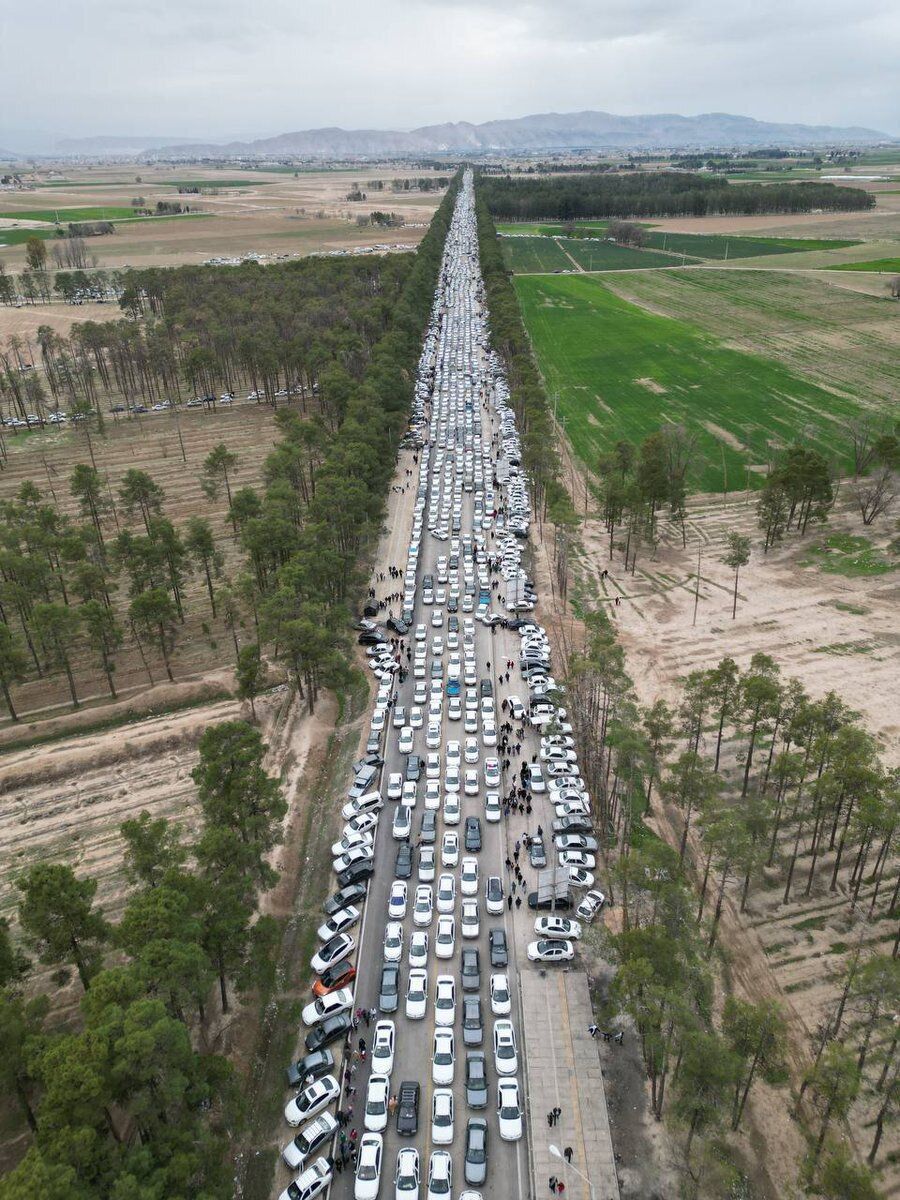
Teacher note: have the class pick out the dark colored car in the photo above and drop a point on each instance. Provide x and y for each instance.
(428, 830)
(537, 855)
(548, 902)
(398, 625)
(473, 1026)
(347, 895)
(470, 970)
(498, 948)
(486, 688)
(413, 768)
(357, 873)
(371, 638)
(389, 992)
(331, 1030)
(475, 1167)
(572, 824)
(452, 605)
(476, 1079)
(404, 864)
(312, 1066)
(336, 976)
(473, 834)
(408, 1108)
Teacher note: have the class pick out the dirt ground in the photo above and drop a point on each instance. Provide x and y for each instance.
(277, 214)
(831, 632)
(149, 443)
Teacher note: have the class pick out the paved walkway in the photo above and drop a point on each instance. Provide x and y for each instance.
(563, 1070)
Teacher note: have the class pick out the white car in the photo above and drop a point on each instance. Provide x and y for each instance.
(406, 1179)
(416, 995)
(423, 906)
(445, 1000)
(451, 780)
(405, 742)
(454, 708)
(338, 947)
(470, 786)
(327, 1006)
(550, 950)
(492, 772)
(409, 794)
(590, 905)
(440, 1176)
(393, 941)
(416, 718)
(493, 896)
(453, 755)
(501, 1002)
(383, 1048)
(489, 732)
(421, 633)
(450, 849)
(576, 858)
(370, 802)
(433, 765)
(445, 940)
(311, 1100)
(536, 780)
(418, 948)
(361, 824)
(311, 1182)
(443, 1057)
(470, 723)
(469, 923)
(492, 807)
(556, 927)
(446, 894)
(395, 785)
(468, 877)
(578, 877)
(349, 857)
(432, 794)
(349, 842)
(319, 1131)
(471, 750)
(344, 918)
(401, 826)
(426, 864)
(378, 1092)
(398, 900)
(452, 809)
(442, 1117)
(506, 1059)
(516, 708)
(367, 1183)
(509, 1110)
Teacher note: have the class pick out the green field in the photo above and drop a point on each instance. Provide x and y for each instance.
(877, 264)
(209, 183)
(620, 372)
(593, 255)
(65, 215)
(527, 255)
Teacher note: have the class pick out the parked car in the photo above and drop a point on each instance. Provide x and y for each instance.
(408, 1108)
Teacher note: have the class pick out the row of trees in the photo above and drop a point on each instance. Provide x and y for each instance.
(770, 788)
(126, 1101)
(658, 193)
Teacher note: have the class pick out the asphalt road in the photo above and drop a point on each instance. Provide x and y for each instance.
(507, 1174)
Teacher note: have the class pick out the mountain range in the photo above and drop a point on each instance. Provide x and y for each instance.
(541, 132)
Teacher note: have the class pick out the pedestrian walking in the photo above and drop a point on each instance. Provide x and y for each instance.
(567, 1154)
(550, 1119)
(557, 1113)
(552, 1185)
(593, 1030)
(509, 901)
(518, 901)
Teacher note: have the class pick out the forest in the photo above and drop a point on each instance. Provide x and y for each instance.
(657, 194)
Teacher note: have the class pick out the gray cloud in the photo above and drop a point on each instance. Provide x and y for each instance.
(223, 68)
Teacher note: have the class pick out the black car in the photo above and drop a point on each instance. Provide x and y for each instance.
(476, 1080)
(498, 948)
(347, 895)
(485, 688)
(549, 902)
(398, 625)
(470, 970)
(413, 768)
(389, 992)
(473, 1026)
(408, 1108)
(452, 605)
(537, 855)
(371, 638)
(473, 834)
(404, 864)
(331, 1030)
(357, 872)
(313, 1066)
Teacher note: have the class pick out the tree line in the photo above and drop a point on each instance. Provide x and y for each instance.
(768, 788)
(126, 1100)
(656, 194)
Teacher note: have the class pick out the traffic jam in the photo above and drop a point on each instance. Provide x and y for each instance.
(410, 1080)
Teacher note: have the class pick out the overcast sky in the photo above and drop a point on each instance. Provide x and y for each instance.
(251, 68)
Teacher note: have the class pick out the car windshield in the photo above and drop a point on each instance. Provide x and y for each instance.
(366, 1171)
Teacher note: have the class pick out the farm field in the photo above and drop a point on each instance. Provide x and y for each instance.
(64, 215)
(246, 212)
(620, 371)
(150, 443)
(529, 255)
(877, 264)
(544, 255)
(846, 342)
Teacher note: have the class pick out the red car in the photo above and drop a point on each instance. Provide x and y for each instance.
(338, 975)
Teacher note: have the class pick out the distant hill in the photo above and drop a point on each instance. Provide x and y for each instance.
(110, 144)
(545, 131)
